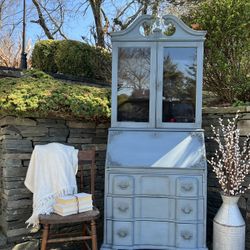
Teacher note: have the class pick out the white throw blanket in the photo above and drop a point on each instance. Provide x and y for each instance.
(51, 174)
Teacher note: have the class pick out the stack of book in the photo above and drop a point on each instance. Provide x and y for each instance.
(73, 204)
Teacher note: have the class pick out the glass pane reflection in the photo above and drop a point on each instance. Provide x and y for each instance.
(133, 84)
(179, 85)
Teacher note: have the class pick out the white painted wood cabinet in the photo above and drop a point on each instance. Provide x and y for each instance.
(155, 176)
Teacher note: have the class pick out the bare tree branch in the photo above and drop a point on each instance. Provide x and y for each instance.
(41, 20)
(59, 9)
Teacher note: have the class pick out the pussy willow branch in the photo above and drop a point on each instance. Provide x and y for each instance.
(231, 163)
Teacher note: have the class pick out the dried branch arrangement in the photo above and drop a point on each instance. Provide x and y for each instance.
(231, 162)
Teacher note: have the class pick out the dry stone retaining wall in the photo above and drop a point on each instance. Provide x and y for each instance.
(18, 136)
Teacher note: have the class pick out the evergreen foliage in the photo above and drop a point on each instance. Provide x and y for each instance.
(227, 53)
(73, 58)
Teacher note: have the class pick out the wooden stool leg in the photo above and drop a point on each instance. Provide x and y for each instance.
(45, 236)
(93, 235)
(84, 230)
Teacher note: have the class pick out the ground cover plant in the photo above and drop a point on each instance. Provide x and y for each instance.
(39, 94)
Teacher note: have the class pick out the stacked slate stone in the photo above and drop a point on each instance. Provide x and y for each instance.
(18, 136)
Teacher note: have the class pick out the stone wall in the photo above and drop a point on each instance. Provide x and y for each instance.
(18, 136)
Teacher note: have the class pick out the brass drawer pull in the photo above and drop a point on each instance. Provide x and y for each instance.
(123, 208)
(187, 187)
(122, 233)
(123, 185)
(186, 235)
(186, 210)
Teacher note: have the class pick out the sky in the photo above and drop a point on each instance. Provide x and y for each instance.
(77, 26)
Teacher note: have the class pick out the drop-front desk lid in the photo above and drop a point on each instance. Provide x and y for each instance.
(161, 149)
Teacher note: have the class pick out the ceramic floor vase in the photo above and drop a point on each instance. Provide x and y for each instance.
(229, 226)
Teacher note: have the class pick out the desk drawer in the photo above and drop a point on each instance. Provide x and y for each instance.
(121, 184)
(189, 209)
(189, 186)
(119, 207)
(122, 233)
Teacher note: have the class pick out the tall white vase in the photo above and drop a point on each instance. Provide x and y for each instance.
(229, 226)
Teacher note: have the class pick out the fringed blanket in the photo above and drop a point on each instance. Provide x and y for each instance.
(51, 174)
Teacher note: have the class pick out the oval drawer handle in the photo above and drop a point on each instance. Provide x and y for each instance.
(186, 210)
(186, 235)
(122, 233)
(123, 185)
(123, 208)
(187, 187)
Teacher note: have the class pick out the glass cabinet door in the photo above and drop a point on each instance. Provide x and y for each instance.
(134, 86)
(176, 94)
(155, 86)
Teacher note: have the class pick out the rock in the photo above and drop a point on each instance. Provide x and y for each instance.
(244, 127)
(26, 163)
(98, 147)
(11, 163)
(223, 110)
(46, 122)
(80, 140)
(16, 156)
(103, 125)
(17, 196)
(14, 136)
(13, 184)
(3, 239)
(18, 211)
(25, 203)
(13, 218)
(102, 133)
(48, 139)
(10, 130)
(51, 123)
(17, 232)
(76, 124)
(101, 140)
(58, 132)
(11, 120)
(29, 245)
(17, 146)
(27, 131)
(13, 172)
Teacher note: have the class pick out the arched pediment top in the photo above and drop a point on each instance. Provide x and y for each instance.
(166, 28)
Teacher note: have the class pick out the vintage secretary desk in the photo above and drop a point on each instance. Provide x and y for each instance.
(155, 176)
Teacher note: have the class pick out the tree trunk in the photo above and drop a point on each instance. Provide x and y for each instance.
(96, 9)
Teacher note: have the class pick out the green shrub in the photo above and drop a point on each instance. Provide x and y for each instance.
(226, 64)
(43, 56)
(73, 58)
(39, 94)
